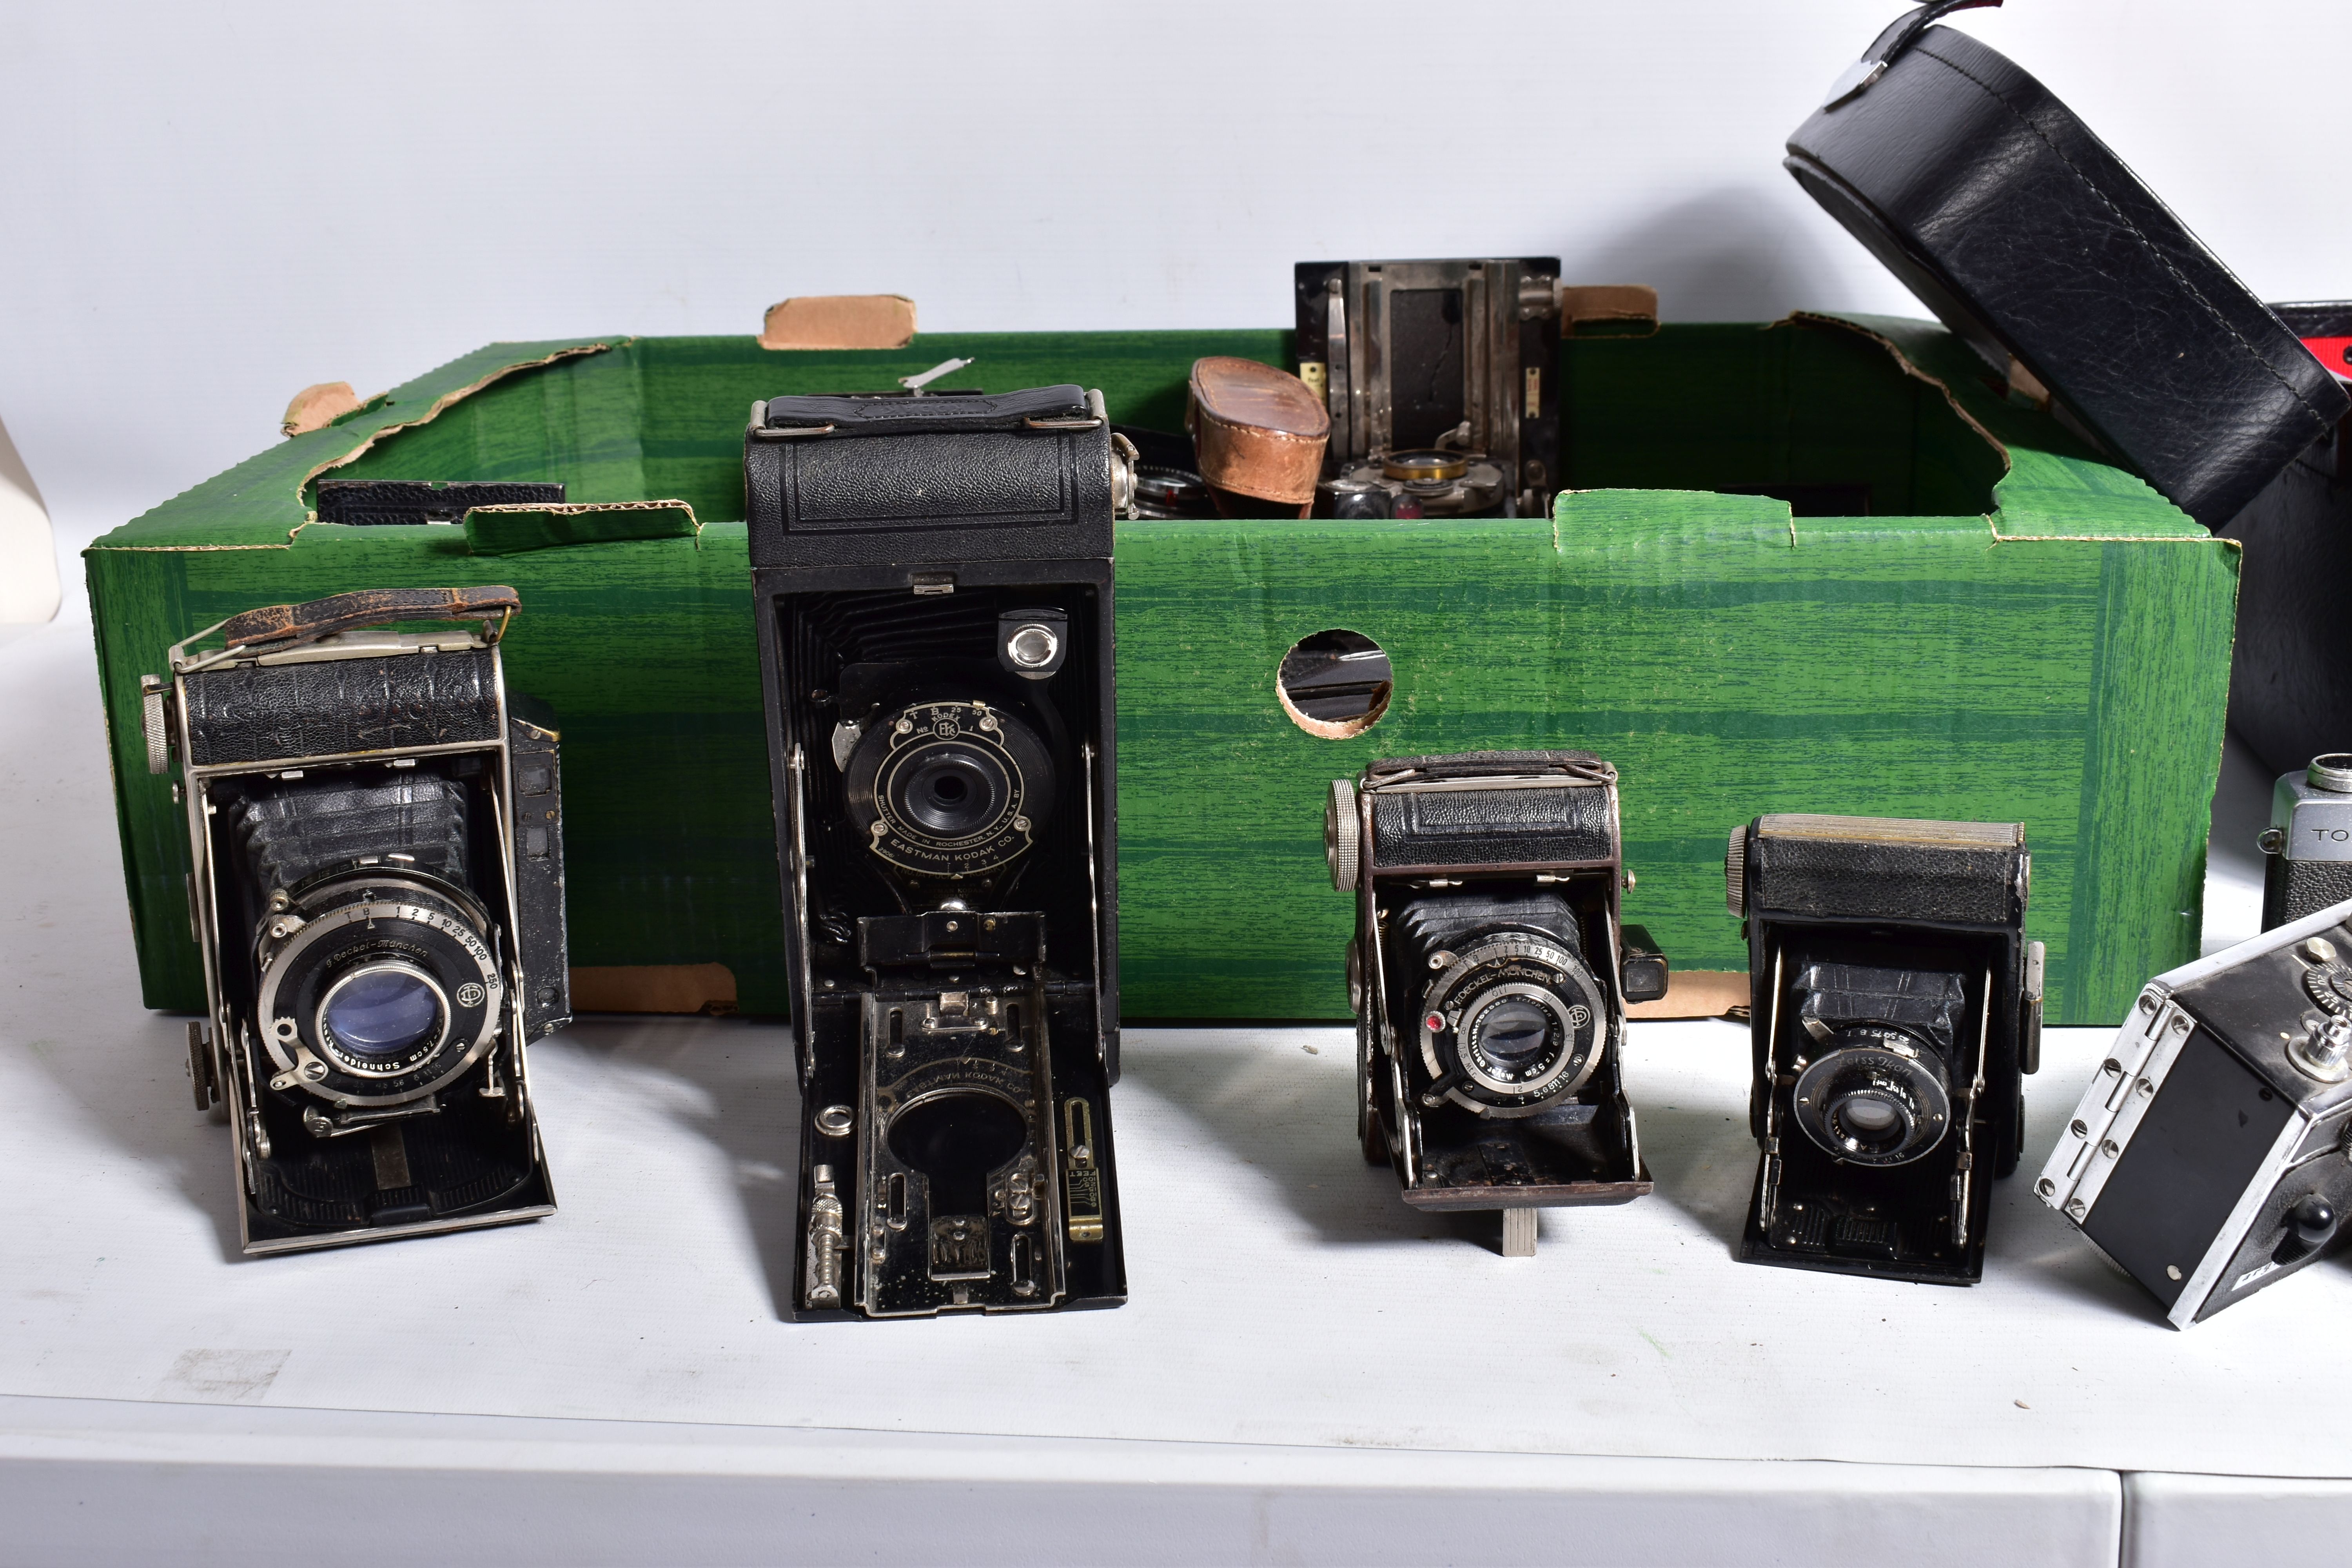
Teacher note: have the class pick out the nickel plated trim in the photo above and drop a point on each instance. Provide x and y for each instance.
(289, 1054)
(330, 759)
(1498, 781)
(1498, 868)
(2069, 1165)
(1542, 951)
(362, 646)
(1967, 1116)
(1094, 901)
(796, 852)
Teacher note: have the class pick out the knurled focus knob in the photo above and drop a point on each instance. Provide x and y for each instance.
(1342, 835)
(155, 714)
(1735, 872)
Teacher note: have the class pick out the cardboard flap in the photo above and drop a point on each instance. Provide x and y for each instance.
(316, 407)
(513, 530)
(1608, 310)
(840, 321)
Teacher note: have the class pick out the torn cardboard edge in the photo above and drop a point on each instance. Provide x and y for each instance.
(1903, 362)
(653, 988)
(440, 405)
(839, 322)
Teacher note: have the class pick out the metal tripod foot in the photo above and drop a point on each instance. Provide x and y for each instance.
(1519, 1233)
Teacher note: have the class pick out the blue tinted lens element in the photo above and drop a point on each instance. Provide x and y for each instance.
(382, 1012)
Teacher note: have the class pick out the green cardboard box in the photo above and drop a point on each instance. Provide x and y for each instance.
(1988, 623)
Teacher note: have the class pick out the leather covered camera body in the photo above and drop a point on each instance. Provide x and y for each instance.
(1490, 976)
(1895, 1004)
(375, 824)
(932, 579)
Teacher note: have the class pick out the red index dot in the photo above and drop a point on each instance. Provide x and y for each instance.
(1434, 1021)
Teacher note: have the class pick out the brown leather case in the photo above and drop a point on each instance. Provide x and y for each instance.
(1259, 432)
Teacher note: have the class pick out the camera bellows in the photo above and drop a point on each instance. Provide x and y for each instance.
(290, 832)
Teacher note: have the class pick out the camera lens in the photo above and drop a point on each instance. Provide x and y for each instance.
(381, 1010)
(944, 788)
(952, 790)
(1871, 1118)
(1875, 1098)
(1514, 1034)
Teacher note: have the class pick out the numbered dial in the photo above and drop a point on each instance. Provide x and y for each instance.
(1514, 1022)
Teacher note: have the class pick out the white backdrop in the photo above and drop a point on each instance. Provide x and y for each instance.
(207, 206)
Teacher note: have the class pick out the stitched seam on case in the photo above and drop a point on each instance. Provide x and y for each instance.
(2129, 227)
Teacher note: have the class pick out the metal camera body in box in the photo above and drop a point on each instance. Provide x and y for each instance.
(1895, 1005)
(376, 831)
(932, 581)
(2208, 1158)
(1442, 379)
(1488, 975)
(2308, 848)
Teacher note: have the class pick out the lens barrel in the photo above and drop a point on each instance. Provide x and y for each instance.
(948, 789)
(1874, 1095)
(376, 987)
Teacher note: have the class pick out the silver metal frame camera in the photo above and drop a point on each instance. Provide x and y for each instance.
(2211, 1154)
(2308, 848)
(1489, 975)
(309, 741)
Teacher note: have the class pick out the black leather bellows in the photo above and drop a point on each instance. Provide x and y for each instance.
(2017, 226)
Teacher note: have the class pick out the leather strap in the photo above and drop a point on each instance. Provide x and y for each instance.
(1885, 48)
(289, 626)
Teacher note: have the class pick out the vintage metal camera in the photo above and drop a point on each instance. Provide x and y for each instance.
(2308, 848)
(932, 579)
(376, 828)
(1894, 1003)
(2208, 1158)
(1441, 378)
(1489, 975)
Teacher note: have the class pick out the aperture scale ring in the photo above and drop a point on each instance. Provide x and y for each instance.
(1569, 975)
(469, 1029)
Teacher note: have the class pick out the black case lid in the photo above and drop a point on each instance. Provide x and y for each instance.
(2014, 223)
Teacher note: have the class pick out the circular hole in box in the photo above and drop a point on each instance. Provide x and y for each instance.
(1334, 684)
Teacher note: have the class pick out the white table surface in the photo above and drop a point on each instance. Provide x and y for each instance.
(1285, 1305)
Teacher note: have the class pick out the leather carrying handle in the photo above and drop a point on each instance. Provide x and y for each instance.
(292, 625)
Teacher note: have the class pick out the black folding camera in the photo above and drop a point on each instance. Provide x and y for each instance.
(1489, 975)
(377, 835)
(933, 578)
(1895, 1003)
(1440, 377)
(2308, 848)
(2208, 1157)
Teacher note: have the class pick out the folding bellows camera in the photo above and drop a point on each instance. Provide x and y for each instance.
(375, 827)
(932, 579)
